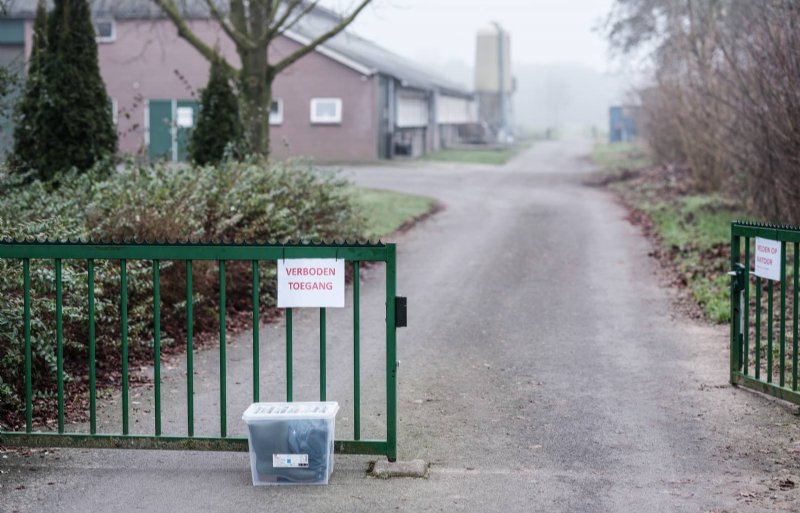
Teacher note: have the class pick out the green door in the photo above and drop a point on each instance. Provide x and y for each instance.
(12, 61)
(171, 123)
(160, 119)
(185, 120)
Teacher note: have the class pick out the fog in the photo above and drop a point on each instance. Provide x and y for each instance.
(564, 75)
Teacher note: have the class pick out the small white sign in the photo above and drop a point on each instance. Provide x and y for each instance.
(185, 117)
(768, 259)
(290, 461)
(311, 283)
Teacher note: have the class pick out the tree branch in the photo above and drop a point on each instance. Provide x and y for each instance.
(238, 17)
(273, 29)
(254, 16)
(272, 9)
(238, 37)
(173, 13)
(282, 29)
(302, 52)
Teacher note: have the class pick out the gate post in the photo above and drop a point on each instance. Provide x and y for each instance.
(391, 353)
(735, 317)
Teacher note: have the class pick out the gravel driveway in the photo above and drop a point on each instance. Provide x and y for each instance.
(544, 368)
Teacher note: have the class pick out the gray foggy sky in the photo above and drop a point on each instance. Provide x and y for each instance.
(438, 31)
(560, 63)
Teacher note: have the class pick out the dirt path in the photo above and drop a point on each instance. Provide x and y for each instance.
(544, 369)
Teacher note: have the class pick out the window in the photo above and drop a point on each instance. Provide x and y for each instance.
(276, 112)
(106, 30)
(185, 117)
(326, 110)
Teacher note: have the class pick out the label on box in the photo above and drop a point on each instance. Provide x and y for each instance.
(290, 461)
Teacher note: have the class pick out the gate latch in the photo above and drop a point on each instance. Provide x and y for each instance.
(738, 277)
(400, 312)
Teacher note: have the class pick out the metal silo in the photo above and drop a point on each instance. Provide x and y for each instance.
(494, 81)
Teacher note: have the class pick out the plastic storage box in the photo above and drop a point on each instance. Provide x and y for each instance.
(291, 443)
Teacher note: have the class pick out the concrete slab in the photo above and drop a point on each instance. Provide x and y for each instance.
(384, 469)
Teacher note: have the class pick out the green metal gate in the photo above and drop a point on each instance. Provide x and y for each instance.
(763, 350)
(187, 254)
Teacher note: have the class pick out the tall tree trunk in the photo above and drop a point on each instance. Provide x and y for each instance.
(255, 83)
(252, 25)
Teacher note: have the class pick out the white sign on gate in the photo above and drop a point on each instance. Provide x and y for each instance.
(768, 259)
(311, 283)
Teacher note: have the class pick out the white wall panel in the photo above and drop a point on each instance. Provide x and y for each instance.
(452, 110)
(412, 110)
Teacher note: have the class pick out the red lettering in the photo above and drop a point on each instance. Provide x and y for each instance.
(310, 285)
(310, 271)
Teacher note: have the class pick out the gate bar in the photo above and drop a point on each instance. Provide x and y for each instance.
(759, 286)
(746, 306)
(356, 352)
(782, 366)
(123, 278)
(26, 301)
(157, 344)
(288, 355)
(795, 316)
(323, 386)
(167, 442)
(770, 329)
(59, 346)
(189, 352)
(92, 377)
(223, 415)
(256, 321)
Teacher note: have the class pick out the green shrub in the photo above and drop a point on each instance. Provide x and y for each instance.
(248, 201)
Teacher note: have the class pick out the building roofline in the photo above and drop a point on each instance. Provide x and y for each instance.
(331, 54)
(406, 71)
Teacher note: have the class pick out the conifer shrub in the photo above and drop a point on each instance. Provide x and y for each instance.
(218, 132)
(27, 117)
(75, 126)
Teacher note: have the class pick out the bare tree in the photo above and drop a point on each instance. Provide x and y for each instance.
(253, 25)
(725, 98)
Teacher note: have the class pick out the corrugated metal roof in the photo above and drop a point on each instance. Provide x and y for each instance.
(320, 20)
(121, 9)
(375, 57)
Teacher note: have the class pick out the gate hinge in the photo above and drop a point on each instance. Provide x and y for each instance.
(400, 312)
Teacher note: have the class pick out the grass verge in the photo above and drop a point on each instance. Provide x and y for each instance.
(479, 155)
(621, 156)
(691, 228)
(470, 156)
(387, 211)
